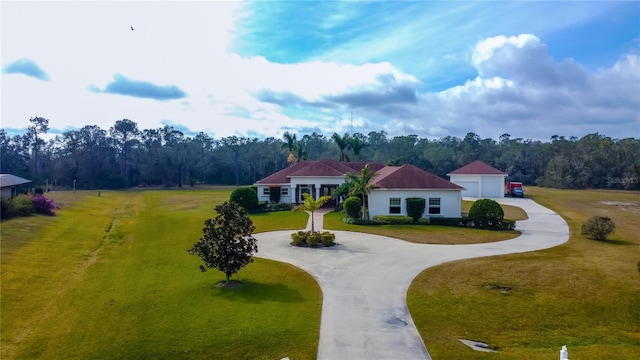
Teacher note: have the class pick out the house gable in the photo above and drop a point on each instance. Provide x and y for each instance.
(410, 177)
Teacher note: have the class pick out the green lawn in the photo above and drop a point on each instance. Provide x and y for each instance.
(510, 212)
(422, 234)
(110, 277)
(584, 294)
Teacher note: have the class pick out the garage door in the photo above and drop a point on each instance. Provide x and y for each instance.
(471, 186)
(492, 186)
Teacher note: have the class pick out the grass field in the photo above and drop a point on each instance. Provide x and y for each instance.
(423, 234)
(584, 294)
(110, 277)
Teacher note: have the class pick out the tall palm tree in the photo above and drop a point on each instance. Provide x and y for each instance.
(311, 205)
(357, 142)
(289, 144)
(301, 151)
(361, 186)
(343, 144)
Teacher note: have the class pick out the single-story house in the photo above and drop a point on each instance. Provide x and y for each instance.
(393, 185)
(11, 185)
(479, 180)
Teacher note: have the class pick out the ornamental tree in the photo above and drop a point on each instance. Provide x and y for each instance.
(227, 243)
(311, 205)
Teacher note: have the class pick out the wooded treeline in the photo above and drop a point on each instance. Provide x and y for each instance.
(125, 156)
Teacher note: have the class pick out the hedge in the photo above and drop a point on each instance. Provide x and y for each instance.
(393, 219)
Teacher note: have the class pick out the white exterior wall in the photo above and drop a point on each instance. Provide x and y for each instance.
(450, 201)
(488, 186)
(313, 180)
(283, 198)
(493, 186)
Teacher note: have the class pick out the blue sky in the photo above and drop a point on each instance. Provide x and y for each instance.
(530, 69)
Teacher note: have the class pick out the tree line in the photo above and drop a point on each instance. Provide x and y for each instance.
(124, 156)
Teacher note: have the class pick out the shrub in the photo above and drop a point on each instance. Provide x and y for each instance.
(278, 207)
(42, 205)
(423, 221)
(327, 238)
(6, 208)
(352, 221)
(415, 208)
(598, 227)
(312, 239)
(445, 221)
(298, 238)
(486, 213)
(244, 196)
(353, 207)
(274, 194)
(22, 205)
(393, 219)
(507, 225)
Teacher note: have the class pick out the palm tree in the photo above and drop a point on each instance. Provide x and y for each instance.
(343, 143)
(301, 150)
(311, 205)
(357, 142)
(361, 186)
(290, 144)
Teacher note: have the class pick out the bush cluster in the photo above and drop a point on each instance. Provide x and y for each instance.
(305, 238)
(26, 205)
(352, 221)
(598, 227)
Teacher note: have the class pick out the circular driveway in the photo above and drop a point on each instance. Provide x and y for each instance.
(364, 280)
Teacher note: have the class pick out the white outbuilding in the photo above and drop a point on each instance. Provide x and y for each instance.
(479, 180)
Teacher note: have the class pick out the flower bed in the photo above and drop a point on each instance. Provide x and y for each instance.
(307, 239)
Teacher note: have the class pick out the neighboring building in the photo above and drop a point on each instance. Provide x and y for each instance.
(393, 185)
(479, 180)
(11, 185)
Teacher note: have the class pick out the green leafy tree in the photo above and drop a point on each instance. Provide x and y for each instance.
(598, 227)
(353, 207)
(311, 205)
(226, 243)
(244, 196)
(486, 213)
(415, 208)
(362, 186)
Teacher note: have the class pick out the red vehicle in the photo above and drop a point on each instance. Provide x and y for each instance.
(514, 189)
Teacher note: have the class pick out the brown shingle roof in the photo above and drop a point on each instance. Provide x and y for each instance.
(282, 176)
(477, 168)
(324, 167)
(410, 177)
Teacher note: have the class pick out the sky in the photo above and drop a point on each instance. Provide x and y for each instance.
(258, 69)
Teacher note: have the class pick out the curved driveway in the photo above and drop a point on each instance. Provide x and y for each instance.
(365, 279)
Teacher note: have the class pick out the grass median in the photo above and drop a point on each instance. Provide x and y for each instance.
(110, 277)
(584, 294)
(422, 234)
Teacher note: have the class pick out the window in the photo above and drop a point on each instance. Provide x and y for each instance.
(265, 191)
(284, 191)
(434, 206)
(394, 205)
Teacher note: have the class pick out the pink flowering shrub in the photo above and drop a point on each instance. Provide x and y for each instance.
(42, 205)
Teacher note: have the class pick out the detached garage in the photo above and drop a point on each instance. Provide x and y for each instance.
(480, 180)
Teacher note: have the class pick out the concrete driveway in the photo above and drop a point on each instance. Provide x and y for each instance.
(365, 279)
